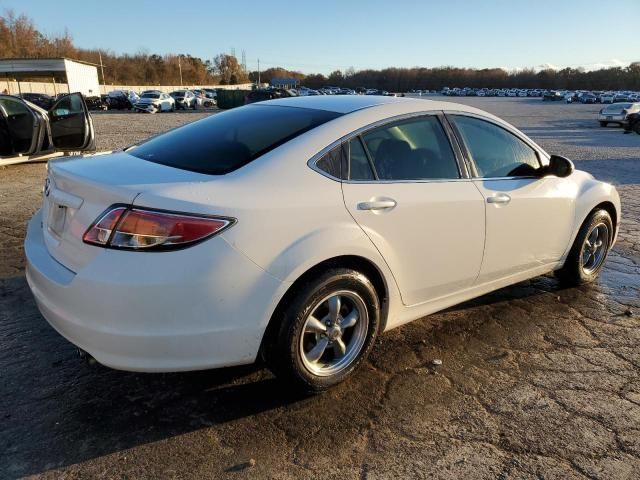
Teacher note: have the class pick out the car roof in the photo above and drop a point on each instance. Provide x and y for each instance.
(351, 103)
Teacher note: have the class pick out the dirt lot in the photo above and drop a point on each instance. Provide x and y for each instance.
(536, 381)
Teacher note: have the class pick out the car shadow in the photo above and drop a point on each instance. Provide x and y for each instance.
(58, 411)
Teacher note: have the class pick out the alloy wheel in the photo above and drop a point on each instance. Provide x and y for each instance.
(594, 249)
(334, 333)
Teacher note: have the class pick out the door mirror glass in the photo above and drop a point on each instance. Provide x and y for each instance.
(559, 166)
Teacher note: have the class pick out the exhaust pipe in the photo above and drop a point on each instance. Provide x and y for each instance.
(86, 356)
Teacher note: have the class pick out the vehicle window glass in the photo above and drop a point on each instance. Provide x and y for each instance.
(226, 141)
(14, 107)
(331, 162)
(415, 149)
(359, 166)
(495, 151)
(68, 105)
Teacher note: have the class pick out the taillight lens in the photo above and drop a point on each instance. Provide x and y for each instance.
(141, 229)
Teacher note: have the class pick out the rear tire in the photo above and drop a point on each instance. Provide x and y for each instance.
(589, 250)
(603, 124)
(325, 331)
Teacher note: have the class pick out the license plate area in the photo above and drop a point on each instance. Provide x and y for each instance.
(609, 117)
(56, 218)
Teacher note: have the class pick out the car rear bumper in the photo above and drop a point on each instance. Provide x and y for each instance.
(202, 307)
(622, 119)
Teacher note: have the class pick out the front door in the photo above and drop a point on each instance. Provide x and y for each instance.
(529, 219)
(405, 190)
(71, 124)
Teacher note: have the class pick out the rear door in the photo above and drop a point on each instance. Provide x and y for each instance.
(408, 192)
(71, 124)
(528, 218)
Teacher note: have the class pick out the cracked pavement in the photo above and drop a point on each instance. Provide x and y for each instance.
(536, 381)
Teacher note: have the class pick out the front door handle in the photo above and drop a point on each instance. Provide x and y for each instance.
(500, 198)
(386, 204)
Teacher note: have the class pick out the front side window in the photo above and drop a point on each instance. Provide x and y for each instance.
(414, 149)
(495, 151)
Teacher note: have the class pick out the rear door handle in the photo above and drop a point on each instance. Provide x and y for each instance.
(386, 204)
(502, 198)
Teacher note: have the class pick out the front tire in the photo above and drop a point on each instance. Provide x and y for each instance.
(326, 330)
(603, 124)
(589, 250)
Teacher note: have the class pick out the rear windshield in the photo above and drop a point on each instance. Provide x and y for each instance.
(616, 107)
(151, 95)
(226, 141)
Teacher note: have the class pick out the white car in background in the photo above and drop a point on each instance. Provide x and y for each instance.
(153, 101)
(184, 99)
(607, 97)
(617, 113)
(296, 230)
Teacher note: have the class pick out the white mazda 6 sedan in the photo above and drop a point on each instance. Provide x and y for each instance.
(297, 230)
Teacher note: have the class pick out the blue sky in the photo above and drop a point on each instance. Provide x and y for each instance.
(322, 36)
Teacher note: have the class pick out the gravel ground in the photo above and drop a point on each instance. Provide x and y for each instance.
(536, 381)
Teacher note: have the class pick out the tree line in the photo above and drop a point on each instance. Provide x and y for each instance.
(405, 79)
(19, 38)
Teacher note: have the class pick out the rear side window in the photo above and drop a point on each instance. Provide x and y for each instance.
(224, 142)
(332, 162)
(496, 152)
(415, 149)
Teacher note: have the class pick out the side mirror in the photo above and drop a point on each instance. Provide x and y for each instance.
(559, 166)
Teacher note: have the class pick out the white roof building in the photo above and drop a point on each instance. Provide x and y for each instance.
(79, 76)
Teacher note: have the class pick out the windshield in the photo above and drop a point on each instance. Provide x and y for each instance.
(151, 95)
(226, 141)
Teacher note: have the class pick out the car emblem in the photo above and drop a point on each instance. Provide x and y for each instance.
(47, 186)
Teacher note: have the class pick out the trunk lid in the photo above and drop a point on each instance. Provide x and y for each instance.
(79, 189)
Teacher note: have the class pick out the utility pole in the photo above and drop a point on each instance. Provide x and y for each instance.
(101, 68)
(258, 72)
(180, 68)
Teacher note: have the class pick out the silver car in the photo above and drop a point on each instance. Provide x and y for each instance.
(617, 113)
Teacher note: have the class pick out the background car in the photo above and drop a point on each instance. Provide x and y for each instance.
(184, 99)
(633, 123)
(262, 94)
(40, 99)
(553, 96)
(121, 99)
(607, 97)
(617, 113)
(155, 101)
(26, 129)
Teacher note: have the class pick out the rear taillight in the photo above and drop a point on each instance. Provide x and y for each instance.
(142, 229)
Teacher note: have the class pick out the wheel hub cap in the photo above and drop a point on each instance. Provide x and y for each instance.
(595, 248)
(334, 333)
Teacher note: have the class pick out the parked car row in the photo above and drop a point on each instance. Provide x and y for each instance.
(570, 96)
(153, 101)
